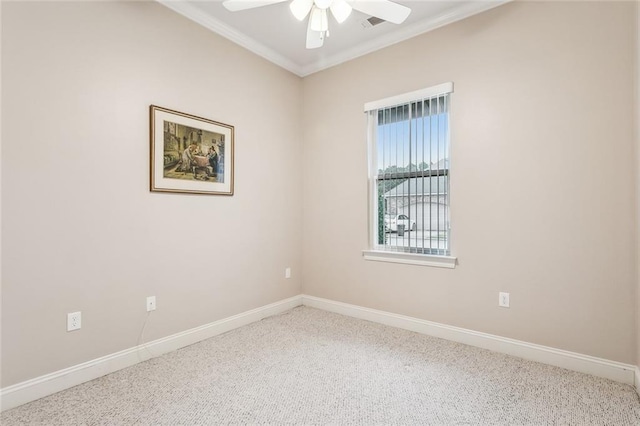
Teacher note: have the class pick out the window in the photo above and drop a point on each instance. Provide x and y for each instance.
(409, 177)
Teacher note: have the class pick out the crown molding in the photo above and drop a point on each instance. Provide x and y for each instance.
(403, 33)
(188, 11)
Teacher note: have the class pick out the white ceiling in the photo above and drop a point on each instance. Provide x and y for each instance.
(273, 33)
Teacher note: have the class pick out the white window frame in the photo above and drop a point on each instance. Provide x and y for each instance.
(377, 252)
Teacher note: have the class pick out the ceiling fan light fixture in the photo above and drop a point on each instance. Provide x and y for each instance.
(319, 21)
(340, 10)
(316, 11)
(300, 8)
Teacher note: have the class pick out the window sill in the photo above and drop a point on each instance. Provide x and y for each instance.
(410, 258)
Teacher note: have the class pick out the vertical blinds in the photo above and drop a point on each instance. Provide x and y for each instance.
(409, 150)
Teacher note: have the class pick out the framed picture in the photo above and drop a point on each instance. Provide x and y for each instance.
(190, 154)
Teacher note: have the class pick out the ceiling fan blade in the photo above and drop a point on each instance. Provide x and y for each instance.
(340, 10)
(383, 9)
(301, 8)
(318, 20)
(236, 5)
(315, 39)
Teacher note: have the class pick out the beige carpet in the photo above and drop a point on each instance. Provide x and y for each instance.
(314, 367)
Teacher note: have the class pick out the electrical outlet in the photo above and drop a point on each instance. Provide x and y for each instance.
(74, 321)
(151, 303)
(287, 273)
(503, 300)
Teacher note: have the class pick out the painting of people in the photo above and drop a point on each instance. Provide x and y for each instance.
(187, 149)
(192, 154)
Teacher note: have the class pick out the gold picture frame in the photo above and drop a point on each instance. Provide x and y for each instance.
(190, 154)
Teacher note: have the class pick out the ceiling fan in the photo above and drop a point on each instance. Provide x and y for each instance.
(318, 27)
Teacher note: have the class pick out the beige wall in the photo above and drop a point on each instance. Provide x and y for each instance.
(542, 195)
(81, 231)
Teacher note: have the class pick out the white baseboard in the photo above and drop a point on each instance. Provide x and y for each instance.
(30, 390)
(624, 373)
